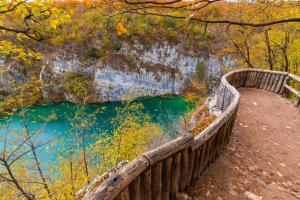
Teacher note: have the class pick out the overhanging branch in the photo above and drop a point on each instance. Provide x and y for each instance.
(221, 21)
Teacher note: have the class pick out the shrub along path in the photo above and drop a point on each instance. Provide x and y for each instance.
(262, 159)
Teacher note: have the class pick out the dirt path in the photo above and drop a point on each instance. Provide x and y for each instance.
(262, 160)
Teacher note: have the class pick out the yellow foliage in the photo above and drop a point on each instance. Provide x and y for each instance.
(23, 96)
(132, 137)
(121, 29)
(18, 53)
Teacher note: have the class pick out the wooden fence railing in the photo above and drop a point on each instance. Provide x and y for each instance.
(169, 170)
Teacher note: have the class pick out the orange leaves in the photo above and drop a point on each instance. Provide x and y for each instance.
(202, 124)
(121, 29)
(86, 2)
(117, 5)
(203, 118)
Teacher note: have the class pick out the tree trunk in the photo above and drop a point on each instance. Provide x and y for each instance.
(37, 162)
(84, 154)
(269, 50)
(16, 183)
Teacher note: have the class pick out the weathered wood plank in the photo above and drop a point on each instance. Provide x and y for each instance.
(233, 118)
(225, 100)
(220, 97)
(124, 195)
(214, 147)
(221, 138)
(212, 150)
(207, 152)
(156, 173)
(253, 81)
(169, 149)
(284, 83)
(297, 102)
(280, 82)
(191, 166)
(175, 173)
(146, 185)
(135, 189)
(111, 187)
(271, 81)
(259, 78)
(267, 81)
(196, 164)
(275, 83)
(166, 178)
(229, 130)
(244, 75)
(184, 167)
(261, 86)
(201, 159)
(292, 90)
(294, 77)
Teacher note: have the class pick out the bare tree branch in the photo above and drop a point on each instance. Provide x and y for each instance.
(230, 22)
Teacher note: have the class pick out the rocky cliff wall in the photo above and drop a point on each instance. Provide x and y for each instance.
(132, 71)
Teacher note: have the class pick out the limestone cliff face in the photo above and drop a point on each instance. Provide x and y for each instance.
(133, 71)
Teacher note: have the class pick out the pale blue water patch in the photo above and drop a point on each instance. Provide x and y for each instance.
(163, 110)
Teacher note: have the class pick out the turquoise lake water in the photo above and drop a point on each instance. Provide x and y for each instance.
(163, 110)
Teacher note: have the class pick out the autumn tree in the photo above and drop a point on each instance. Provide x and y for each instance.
(21, 145)
(211, 12)
(31, 19)
(23, 25)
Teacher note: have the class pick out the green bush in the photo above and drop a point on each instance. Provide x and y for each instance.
(95, 53)
(116, 46)
(77, 84)
(170, 23)
(201, 71)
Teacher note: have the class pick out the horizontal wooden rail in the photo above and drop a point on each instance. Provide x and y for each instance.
(169, 170)
(291, 89)
(296, 92)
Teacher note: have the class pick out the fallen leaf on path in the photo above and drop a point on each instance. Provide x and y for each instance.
(232, 192)
(253, 196)
(279, 174)
(208, 193)
(276, 143)
(252, 168)
(265, 173)
(238, 155)
(282, 164)
(296, 194)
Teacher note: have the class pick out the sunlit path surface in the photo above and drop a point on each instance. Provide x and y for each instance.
(262, 160)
